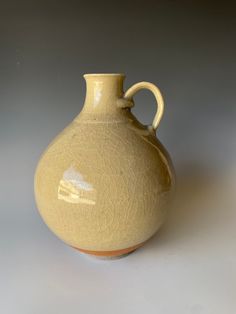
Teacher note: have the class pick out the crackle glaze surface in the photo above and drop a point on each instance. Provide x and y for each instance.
(104, 183)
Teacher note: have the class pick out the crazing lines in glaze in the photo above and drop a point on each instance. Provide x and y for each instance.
(104, 183)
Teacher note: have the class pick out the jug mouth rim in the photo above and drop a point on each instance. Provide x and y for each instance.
(104, 74)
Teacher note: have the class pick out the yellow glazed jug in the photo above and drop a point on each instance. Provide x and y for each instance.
(104, 184)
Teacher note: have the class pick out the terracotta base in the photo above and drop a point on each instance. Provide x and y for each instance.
(111, 254)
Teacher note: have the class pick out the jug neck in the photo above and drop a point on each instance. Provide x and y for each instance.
(102, 92)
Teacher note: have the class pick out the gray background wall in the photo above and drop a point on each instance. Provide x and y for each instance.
(186, 47)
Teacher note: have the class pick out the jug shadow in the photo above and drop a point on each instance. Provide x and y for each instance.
(197, 208)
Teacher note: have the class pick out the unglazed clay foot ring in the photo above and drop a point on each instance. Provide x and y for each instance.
(115, 253)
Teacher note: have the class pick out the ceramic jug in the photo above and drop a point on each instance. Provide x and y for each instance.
(104, 184)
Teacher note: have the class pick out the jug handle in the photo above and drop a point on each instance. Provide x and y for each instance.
(159, 99)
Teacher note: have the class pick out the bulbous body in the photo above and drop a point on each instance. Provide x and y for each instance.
(104, 183)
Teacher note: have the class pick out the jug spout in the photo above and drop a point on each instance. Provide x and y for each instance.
(102, 92)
